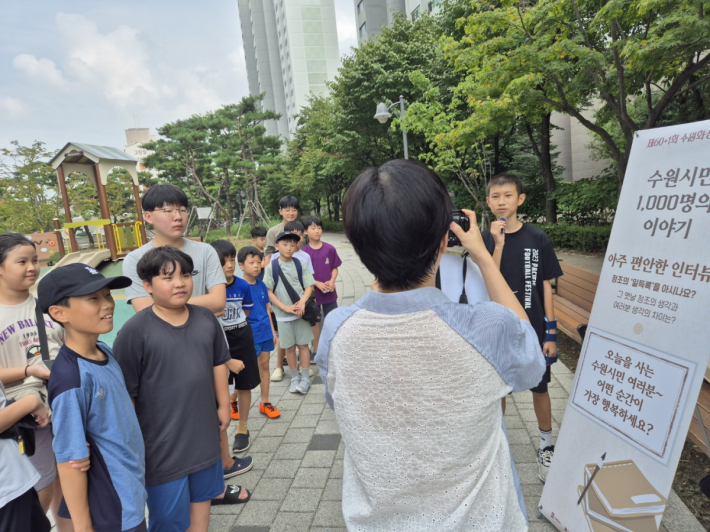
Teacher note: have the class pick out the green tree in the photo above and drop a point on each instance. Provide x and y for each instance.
(28, 189)
(580, 55)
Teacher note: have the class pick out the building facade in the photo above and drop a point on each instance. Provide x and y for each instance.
(373, 15)
(291, 51)
(569, 135)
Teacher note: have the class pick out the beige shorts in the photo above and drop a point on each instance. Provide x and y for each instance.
(295, 332)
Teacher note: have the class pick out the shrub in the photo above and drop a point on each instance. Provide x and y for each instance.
(332, 226)
(588, 201)
(581, 238)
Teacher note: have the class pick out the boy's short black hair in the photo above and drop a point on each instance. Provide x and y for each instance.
(396, 216)
(290, 227)
(246, 251)
(163, 261)
(289, 201)
(312, 220)
(10, 241)
(163, 195)
(224, 249)
(258, 232)
(505, 178)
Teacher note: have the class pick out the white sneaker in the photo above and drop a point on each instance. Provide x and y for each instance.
(304, 386)
(277, 375)
(295, 385)
(544, 459)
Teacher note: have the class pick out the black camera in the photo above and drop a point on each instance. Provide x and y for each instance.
(460, 218)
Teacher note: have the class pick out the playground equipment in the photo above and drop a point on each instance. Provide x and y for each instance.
(95, 162)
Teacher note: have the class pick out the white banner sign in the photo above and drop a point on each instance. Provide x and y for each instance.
(646, 348)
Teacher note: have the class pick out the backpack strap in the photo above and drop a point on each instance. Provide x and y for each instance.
(299, 270)
(289, 289)
(41, 332)
(275, 270)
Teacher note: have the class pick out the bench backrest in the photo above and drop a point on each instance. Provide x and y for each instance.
(578, 286)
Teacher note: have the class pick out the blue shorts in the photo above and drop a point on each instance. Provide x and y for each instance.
(169, 504)
(267, 346)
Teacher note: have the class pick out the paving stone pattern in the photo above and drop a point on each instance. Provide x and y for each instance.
(296, 481)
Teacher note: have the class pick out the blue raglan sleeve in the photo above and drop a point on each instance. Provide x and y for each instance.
(507, 342)
(332, 323)
(69, 415)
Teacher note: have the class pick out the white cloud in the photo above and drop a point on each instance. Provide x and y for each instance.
(115, 63)
(345, 22)
(11, 106)
(44, 70)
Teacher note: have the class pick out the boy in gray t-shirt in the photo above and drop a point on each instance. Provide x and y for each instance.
(165, 207)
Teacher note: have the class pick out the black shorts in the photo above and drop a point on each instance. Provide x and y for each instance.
(241, 347)
(546, 378)
(24, 513)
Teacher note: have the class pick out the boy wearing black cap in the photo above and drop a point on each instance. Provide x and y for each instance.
(293, 331)
(90, 404)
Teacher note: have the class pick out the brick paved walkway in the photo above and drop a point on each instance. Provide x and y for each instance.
(298, 458)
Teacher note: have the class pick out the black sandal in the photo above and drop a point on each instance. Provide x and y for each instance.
(231, 496)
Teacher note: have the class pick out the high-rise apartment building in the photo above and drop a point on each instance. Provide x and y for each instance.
(373, 15)
(291, 50)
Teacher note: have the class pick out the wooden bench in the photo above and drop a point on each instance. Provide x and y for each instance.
(574, 299)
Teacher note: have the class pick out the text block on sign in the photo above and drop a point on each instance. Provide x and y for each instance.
(632, 391)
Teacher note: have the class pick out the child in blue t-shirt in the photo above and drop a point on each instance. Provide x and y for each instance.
(90, 404)
(243, 368)
(265, 339)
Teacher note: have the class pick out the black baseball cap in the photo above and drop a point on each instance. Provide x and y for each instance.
(74, 280)
(283, 235)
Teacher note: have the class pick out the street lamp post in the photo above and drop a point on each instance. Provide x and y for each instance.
(382, 114)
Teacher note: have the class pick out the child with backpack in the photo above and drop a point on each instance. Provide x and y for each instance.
(290, 285)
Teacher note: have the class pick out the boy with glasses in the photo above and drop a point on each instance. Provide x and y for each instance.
(166, 208)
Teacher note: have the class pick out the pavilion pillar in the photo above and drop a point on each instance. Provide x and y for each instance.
(105, 214)
(67, 208)
(139, 211)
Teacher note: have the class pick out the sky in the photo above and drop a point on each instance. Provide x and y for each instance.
(85, 71)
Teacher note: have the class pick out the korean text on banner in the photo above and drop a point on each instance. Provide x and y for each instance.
(645, 352)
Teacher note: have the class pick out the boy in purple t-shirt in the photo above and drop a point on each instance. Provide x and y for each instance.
(325, 270)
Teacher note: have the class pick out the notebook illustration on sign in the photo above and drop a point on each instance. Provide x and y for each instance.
(617, 496)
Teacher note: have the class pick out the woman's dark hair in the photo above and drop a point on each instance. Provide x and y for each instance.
(312, 220)
(396, 216)
(258, 231)
(290, 227)
(224, 249)
(10, 241)
(246, 251)
(163, 261)
(167, 195)
(289, 201)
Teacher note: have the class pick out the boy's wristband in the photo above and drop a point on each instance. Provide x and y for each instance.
(550, 324)
(551, 337)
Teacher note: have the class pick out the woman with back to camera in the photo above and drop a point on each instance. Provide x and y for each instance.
(416, 380)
